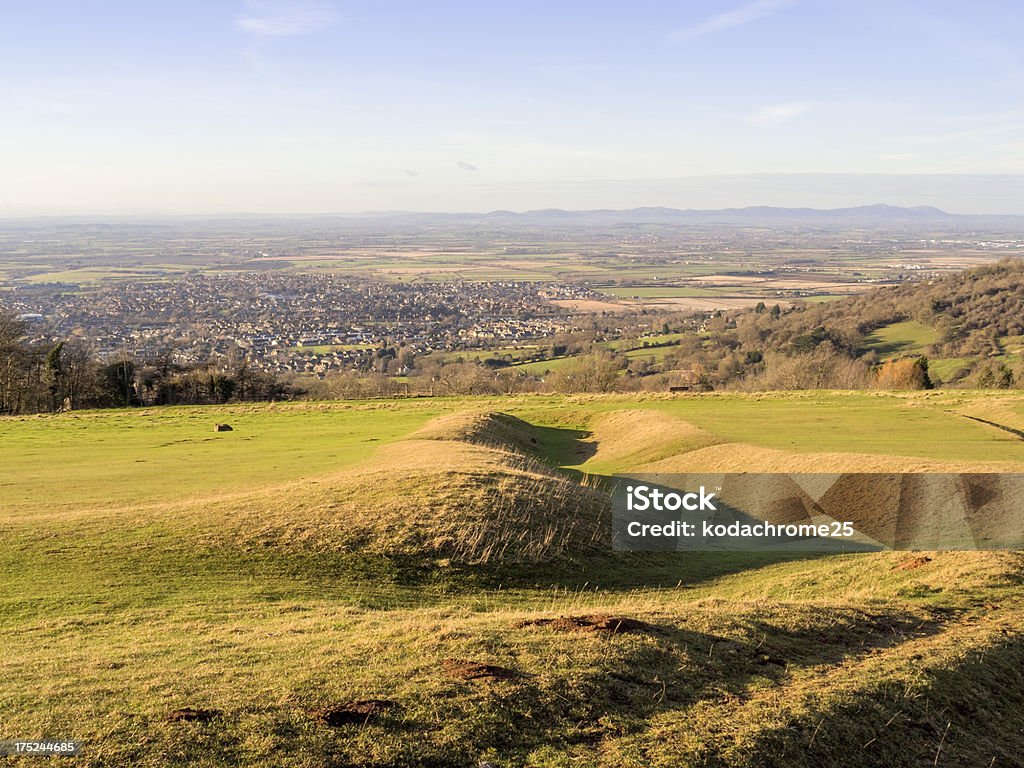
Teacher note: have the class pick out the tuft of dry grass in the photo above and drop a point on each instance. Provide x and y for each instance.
(487, 428)
(425, 499)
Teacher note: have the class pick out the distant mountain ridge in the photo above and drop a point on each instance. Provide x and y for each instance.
(879, 216)
(762, 215)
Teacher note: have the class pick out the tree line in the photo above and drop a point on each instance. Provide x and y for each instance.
(40, 377)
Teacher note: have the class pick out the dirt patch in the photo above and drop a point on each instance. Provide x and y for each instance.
(193, 715)
(463, 669)
(352, 712)
(912, 563)
(612, 625)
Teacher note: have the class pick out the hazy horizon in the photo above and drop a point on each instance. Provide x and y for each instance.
(996, 196)
(344, 106)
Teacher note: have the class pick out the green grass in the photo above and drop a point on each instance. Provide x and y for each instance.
(111, 458)
(945, 367)
(541, 367)
(852, 422)
(905, 338)
(651, 341)
(929, 425)
(139, 576)
(646, 353)
(1012, 345)
(820, 298)
(95, 275)
(472, 355)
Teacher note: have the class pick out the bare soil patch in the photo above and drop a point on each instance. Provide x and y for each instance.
(193, 715)
(352, 712)
(612, 625)
(464, 669)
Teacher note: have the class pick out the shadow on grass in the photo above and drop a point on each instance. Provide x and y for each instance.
(886, 349)
(601, 693)
(967, 714)
(634, 678)
(627, 571)
(561, 447)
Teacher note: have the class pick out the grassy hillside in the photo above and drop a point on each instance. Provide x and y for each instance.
(426, 582)
(968, 324)
(908, 337)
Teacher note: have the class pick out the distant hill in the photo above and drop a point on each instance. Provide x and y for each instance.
(878, 215)
(972, 320)
(970, 311)
(922, 218)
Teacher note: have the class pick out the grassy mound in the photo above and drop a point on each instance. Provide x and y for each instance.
(488, 428)
(627, 439)
(429, 499)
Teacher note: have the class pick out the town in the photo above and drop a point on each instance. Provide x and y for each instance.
(295, 323)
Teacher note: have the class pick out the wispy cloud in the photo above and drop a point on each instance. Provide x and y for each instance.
(773, 114)
(466, 166)
(737, 17)
(285, 18)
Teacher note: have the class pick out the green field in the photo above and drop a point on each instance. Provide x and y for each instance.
(905, 338)
(822, 298)
(658, 347)
(540, 367)
(945, 368)
(93, 459)
(326, 553)
(148, 456)
(473, 355)
(655, 353)
(621, 345)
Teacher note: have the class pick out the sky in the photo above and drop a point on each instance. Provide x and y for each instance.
(311, 106)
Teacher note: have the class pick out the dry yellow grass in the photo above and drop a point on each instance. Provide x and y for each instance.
(489, 428)
(433, 499)
(626, 439)
(741, 457)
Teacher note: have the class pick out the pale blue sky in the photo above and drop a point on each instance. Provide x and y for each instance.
(339, 105)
